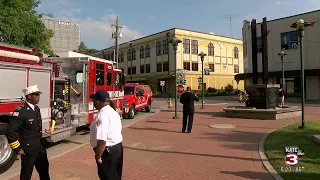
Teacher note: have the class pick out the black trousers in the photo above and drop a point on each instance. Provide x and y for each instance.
(112, 163)
(38, 158)
(187, 119)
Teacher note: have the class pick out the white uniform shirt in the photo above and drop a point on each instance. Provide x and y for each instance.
(107, 127)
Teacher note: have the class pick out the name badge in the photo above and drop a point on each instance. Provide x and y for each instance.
(30, 121)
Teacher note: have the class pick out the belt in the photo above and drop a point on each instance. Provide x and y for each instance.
(108, 147)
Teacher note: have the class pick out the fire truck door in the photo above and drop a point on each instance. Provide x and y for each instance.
(99, 80)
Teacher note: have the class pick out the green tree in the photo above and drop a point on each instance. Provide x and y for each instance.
(82, 48)
(21, 25)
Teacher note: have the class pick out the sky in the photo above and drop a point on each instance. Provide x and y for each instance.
(144, 17)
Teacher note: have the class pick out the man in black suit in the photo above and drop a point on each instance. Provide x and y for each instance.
(187, 99)
(24, 135)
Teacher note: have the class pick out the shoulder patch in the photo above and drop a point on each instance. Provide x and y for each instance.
(98, 121)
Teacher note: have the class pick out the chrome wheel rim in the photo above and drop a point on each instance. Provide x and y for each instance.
(5, 149)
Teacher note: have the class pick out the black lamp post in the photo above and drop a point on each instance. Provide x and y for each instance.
(175, 42)
(202, 55)
(300, 26)
(282, 54)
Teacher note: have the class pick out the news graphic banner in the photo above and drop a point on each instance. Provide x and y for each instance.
(293, 154)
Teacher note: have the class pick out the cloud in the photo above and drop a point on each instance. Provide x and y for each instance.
(55, 3)
(97, 32)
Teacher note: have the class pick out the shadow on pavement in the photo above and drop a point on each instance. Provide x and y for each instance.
(251, 175)
(191, 154)
(248, 141)
(153, 129)
(63, 142)
(156, 122)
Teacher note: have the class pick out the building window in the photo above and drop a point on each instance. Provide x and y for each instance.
(158, 47)
(194, 46)
(210, 49)
(211, 66)
(236, 53)
(159, 67)
(147, 50)
(134, 57)
(259, 44)
(141, 52)
(141, 69)
(129, 55)
(289, 40)
(121, 56)
(147, 68)
(165, 66)
(129, 70)
(186, 46)
(165, 47)
(134, 70)
(186, 66)
(236, 68)
(109, 79)
(195, 66)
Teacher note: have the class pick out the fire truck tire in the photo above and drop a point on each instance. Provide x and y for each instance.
(131, 112)
(148, 108)
(7, 156)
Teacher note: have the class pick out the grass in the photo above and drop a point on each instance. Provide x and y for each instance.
(292, 136)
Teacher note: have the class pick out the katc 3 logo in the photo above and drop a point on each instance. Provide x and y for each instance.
(293, 154)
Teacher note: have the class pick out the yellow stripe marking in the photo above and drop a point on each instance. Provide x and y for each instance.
(15, 144)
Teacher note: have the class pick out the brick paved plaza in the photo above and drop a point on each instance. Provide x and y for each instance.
(155, 149)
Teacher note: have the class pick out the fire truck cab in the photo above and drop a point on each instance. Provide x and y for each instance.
(66, 83)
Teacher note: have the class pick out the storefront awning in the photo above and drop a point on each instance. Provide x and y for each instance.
(21, 56)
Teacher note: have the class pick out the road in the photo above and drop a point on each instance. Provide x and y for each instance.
(82, 138)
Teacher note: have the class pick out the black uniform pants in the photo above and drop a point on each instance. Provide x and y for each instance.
(37, 158)
(187, 119)
(112, 162)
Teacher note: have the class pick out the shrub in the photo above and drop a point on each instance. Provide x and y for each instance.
(211, 90)
(221, 92)
(236, 91)
(228, 88)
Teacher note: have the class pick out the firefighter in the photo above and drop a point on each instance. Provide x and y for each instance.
(24, 134)
(106, 138)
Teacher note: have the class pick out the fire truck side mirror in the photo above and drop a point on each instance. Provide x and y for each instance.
(123, 79)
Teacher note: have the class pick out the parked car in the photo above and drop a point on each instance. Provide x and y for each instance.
(137, 97)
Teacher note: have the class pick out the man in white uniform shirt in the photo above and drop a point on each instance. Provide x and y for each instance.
(106, 138)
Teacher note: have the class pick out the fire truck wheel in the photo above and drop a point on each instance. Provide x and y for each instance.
(7, 156)
(131, 112)
(148, 108)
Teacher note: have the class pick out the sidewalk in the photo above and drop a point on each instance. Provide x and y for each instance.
(155, 149)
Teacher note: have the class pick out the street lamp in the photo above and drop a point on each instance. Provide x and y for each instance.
(300, 26)
(1, 39)
(175, 42)
(282, 54)
(202, 55)
(130, 43)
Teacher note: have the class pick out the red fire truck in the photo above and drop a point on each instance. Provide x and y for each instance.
(66, 83)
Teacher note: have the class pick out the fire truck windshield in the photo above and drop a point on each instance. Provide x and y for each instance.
(128, 90)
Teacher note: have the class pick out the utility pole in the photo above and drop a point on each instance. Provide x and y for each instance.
(230, 17)
(116, 36)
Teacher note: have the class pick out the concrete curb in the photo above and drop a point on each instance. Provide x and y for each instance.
(84, 144)
(264, 158)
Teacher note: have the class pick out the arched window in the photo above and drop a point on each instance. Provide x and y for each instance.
(210, 49)
(147, 50)
(133, 54)
(141, 52)
(129, 55)
(236, 53)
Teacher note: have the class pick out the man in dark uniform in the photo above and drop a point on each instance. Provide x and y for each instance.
(187, 99)
(24, 135)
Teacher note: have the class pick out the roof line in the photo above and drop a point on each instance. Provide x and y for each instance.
(168, 31)
(309, 12)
